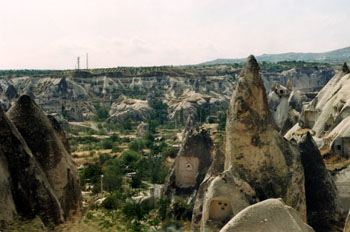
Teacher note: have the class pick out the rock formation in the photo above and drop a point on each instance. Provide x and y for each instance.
(254, 148)
(321, 192)
(342, 182)
(7, 205)
(11, 92)
(191, 163)
(216, 167)
(126, 108)
(31, 191)
(226, 195)
(347, 223)
(329, 107)
(49, 146)
(271, 215)
(278, 104)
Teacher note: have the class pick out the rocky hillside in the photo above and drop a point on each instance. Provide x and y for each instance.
(77, 95)
(331, 56)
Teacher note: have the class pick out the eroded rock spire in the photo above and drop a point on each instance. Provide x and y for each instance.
(255, 149)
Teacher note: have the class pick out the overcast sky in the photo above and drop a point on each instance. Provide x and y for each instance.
(50, 34)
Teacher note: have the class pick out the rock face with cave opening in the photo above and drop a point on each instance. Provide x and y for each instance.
(254, 148)
(191, 163)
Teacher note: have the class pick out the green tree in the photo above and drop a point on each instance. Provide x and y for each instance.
(113, 177)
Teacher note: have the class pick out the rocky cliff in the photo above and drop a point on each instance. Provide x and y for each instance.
(183, 89)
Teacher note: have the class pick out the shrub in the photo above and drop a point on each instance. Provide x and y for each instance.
(107, 144)
(113, 178)
(137, 145)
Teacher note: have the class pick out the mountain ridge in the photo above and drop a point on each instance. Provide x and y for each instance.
(337, 55)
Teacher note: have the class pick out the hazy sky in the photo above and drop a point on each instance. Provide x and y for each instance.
(50, 34)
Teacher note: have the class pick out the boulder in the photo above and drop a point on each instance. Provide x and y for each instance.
(271, 215)
(31, 191)
(49, 146)
(321, 193)
(254, 148)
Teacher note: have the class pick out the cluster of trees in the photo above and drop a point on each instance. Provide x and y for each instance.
(146, 166)
(28, 72)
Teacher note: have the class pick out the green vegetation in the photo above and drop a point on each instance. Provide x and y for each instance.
(102, 113)
(130, 166)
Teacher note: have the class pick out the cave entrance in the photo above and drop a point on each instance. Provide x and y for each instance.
(220, 210)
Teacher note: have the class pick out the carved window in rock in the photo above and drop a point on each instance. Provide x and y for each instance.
(310, 119)
(220, 210)
(186, 171)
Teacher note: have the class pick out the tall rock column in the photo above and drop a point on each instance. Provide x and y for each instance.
(254, 148)
(50, 147)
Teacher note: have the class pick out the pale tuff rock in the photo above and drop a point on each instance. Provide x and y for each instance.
(226, 195)
(31, 191)
(126, 108)
(271, 215)
(216, 167)
(343, 185)
(279, 105)
(329, 107)
(50, 151)
(254, 148)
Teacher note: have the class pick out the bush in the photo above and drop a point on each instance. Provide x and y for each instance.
(103, 158)
(101, 114)
(110, 203)
(130, 157)
(114, 138)
(136, 180)
(92, 172)
(116, 148)
(137, 145)
(107, 144)
(180, 210)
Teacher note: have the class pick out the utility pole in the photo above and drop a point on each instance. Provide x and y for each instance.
(87, 61)
(101, 186)
(78, 62)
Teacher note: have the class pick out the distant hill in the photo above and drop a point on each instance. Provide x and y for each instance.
(338, 55)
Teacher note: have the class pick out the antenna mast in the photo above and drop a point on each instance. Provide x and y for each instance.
(87, 61)
(78, 62)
